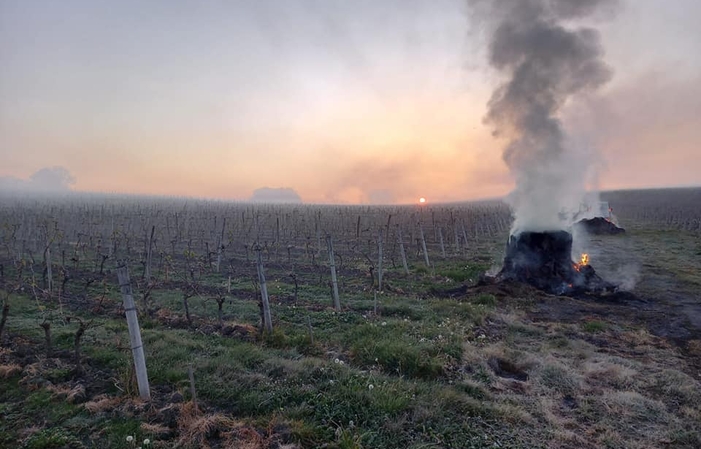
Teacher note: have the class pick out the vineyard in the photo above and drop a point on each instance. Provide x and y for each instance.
(290, 326)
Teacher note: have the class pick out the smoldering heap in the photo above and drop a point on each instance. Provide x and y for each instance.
(545, 64)
(544, 260)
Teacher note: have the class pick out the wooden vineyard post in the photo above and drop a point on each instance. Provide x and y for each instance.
(318, 234)
(193, 392)
(311, 333)
(379, 260)
(464, 235)
(455, 232)
(149, 252)
(137, 347)
(267, 319)
(402, 252)
(334, 280)
(423, 245)
(220, 246)
(49, 273)
(440, 235)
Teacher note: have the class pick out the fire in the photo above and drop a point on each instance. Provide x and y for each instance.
(583, 260)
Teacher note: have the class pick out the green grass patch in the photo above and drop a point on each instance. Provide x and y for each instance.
(594, 326)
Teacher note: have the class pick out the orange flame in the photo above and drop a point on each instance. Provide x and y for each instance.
(583, 260)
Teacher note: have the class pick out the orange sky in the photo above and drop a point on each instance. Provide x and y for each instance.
(375, 103)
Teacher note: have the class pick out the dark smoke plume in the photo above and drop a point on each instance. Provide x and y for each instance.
(546, 60)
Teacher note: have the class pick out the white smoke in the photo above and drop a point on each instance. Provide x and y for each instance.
(545, 64)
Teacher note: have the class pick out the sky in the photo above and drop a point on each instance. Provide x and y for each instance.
(343, 102)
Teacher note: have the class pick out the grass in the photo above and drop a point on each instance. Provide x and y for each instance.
(479, 371)
(594, 326)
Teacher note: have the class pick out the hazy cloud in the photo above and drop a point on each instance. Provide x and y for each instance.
(276, 195)
(49, 179)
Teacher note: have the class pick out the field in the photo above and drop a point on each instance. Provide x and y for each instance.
(407, 357)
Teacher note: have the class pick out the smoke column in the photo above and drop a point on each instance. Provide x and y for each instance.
(545, 62)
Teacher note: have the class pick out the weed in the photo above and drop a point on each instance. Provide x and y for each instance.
(594, 326)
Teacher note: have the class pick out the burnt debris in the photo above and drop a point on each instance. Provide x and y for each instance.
(599, 226)
(544, 260)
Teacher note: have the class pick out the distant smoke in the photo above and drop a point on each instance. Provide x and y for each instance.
(45, 180)
(545, 64)
(276, 195)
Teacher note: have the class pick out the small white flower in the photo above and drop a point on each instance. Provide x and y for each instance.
(482, 336)
(130, 438)
(384, 323)
(351, 424)
(147, 442)
(331, 381)
(336, 361)
(342, 362)
(371, 386)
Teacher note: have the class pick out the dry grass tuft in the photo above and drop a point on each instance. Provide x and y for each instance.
(631, 407)
(603, 371)
(70, 394)
(244, 436)
(694, 347)
(9, 370)
(194, 428)
(677, 388)
(76, 394)
(554, 377)
(163, 314)
(154, 429)
(32, 369)
(60, 390)
(101, 404)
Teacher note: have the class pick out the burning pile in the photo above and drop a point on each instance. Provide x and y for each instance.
(547, 55)
(544, 260)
